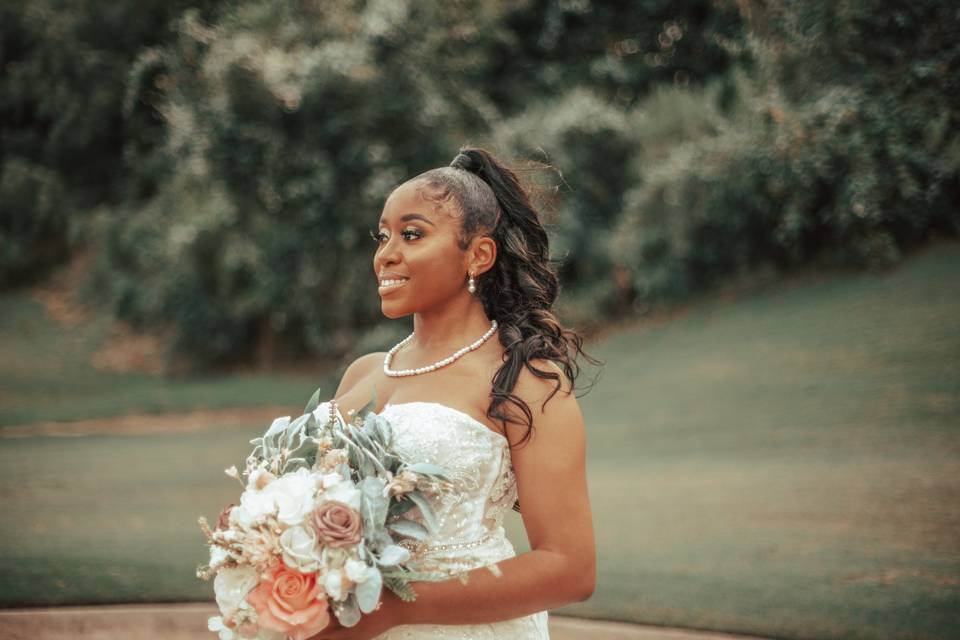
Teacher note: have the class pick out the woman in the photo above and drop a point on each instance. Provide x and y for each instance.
(483, 387)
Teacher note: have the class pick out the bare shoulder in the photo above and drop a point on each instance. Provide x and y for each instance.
(554, 409)
(536, 388)
(359, 369)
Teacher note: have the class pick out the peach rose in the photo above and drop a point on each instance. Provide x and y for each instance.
(290, 602)
(337, 524)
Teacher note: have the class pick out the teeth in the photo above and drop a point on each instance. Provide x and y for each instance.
(390, 283)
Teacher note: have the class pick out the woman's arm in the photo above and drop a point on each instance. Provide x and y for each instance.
(551, 483)
(561, 566)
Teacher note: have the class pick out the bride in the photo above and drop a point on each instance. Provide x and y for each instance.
(483, 387)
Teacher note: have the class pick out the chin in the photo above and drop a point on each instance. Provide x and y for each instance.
(393, 314)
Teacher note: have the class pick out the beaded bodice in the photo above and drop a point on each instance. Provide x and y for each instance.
(478, 461)
(469, 519)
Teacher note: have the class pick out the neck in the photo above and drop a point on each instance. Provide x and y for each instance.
(441, 332)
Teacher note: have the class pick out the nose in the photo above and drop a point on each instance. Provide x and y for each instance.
(387, 254)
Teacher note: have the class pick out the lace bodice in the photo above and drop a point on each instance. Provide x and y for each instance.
(470, 530)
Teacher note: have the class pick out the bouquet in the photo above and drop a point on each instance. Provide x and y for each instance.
(320, 526)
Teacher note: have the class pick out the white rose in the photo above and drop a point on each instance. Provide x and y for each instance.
(299, 547)
(343, 492)
(254, 507)
(231, 587)
(293, 495)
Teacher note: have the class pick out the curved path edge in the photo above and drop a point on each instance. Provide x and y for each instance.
(189, 622)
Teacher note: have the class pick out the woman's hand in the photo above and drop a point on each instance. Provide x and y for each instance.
(385, 617)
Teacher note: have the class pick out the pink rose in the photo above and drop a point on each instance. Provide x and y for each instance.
(337, 524)
(290, 602)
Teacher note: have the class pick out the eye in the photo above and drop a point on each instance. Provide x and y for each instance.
(408, 234)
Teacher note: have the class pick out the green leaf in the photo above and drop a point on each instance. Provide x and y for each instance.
(409, 528)
(295, 428)
(373, 508)
(348, 613)
(400, 507)
(425, 510)
(368, 592)
(427, 469)
(393, 555)
(313, 401)
(401, 588)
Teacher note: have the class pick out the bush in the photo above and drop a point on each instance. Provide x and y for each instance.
(830, 155)
(288, 126)
(34, 228)
(62, 121)
(592, 138)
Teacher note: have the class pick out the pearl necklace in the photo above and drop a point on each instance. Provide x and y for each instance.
(436, 365)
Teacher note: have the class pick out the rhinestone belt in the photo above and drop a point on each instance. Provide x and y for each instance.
(420, 546)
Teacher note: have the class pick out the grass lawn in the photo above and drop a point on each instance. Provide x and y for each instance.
(785, 465)
(46, 375)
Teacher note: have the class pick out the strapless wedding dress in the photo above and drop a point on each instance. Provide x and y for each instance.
(470, 530)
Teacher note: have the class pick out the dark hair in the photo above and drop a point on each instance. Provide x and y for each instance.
(521, 287)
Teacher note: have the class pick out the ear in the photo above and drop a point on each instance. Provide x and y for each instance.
(481, 255)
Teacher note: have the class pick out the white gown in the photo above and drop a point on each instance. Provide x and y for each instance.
(470, 530)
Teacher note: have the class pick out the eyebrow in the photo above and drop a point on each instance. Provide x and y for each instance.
(413, 216)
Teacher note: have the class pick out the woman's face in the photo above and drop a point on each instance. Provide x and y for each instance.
(417, 245)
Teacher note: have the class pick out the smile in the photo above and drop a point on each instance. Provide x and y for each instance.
(393, 283)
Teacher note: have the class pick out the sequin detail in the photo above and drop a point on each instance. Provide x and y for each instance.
(470, 530)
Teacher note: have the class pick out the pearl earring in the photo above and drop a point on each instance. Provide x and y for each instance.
(471, 285)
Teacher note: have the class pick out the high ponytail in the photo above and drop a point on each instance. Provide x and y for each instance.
(521, 287)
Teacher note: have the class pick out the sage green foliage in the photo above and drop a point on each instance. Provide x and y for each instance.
(289, 446)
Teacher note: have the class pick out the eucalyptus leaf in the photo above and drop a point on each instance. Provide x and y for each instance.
(427, 469)
(277, 426)
(393, 555)
(425, 510)
(313, 401)
(348, 613)
(294, 429)
(409, 528)
(400, 507)
(386, 431)
(312, 428)
(295, 462)
(368, 591)
(373, 508)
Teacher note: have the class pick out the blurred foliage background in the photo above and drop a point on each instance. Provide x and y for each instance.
(222, 161)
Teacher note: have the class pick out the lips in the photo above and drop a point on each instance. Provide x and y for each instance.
(389, 284)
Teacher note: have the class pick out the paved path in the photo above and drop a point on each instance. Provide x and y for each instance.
(189, 622)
